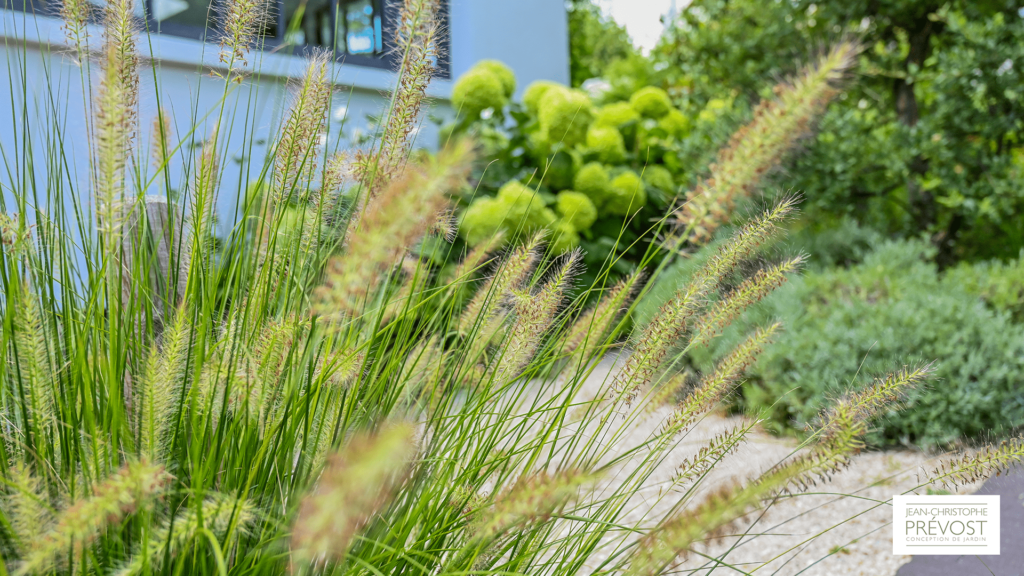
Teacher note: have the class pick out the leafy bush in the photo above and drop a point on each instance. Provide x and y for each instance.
(1000, 284)
(632, 157)
(926, 142)
(893, 306)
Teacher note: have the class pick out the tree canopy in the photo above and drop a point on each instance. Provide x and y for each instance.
(927, 137)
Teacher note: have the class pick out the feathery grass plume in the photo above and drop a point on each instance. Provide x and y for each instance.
(414, 281)
(846, 422)
(296, 156)
(838, 437)
(673, 536)
(75, 14)
(337, 370)
(239, 22)
(336, 172)
(717, 385)
(220, 514)
(161, 135)
(116, 110)
(671, 322)
(393, 221)
(124, 492)
(989, 461)
(162, 380)
(587, 332)
(532, 497)
(357, 482)
(33, 371)
(509, 274)
(447, 226)
(204, 198)
(750, 292)
(416, 46)
(26, 509)
(760, 146)
(533, 314)
(691, 471)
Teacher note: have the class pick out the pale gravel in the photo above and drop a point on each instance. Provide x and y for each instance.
(841, 526)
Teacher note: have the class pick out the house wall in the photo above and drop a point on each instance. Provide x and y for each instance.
(529, 35)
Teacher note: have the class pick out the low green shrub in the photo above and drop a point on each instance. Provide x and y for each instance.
(1000, 284)
(895, 305)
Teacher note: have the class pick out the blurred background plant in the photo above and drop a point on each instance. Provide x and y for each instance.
(925, 142)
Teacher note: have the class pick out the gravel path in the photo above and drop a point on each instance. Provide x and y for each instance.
(848, 514)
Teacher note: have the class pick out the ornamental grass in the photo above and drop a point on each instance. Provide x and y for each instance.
(307, 395)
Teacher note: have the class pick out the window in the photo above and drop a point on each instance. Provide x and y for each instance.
(355, 29)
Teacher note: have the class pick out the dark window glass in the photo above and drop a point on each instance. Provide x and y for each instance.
(349, 27)
(361, 25)
(308, 23)
(184, 12)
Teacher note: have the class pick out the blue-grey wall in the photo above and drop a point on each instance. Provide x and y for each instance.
(531, 36)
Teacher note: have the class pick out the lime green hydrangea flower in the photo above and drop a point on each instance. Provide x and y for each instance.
(651, 102)
(674, 124)
(517, 208)
(482, 220)
(503, 73)
(593, 181)
(476, 91)
(577, 209)
(525, 208)
(560, 170)
(616, 115)
(565, 115)
(659, 177)
(607, 143)
(563, 237)
(534, 92)
(627, 194)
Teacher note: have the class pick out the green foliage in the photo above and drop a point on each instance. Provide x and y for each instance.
(595, 41)
(502, 72)
(659, 177)
(651, 102)
(518, 209)
(576, 209)
(564, 236)
(616, 115)
(894, 305)
(1000, 284)
(594, 181)
(535, 92)
(926, 141)
(607, 144)
(476, 91)
(482, 220)
(626, 194)
(560, 170)
(564, 116)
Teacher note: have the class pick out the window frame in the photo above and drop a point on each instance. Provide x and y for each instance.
(388, 59)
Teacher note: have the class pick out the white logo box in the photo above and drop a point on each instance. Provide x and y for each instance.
(945, 525)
